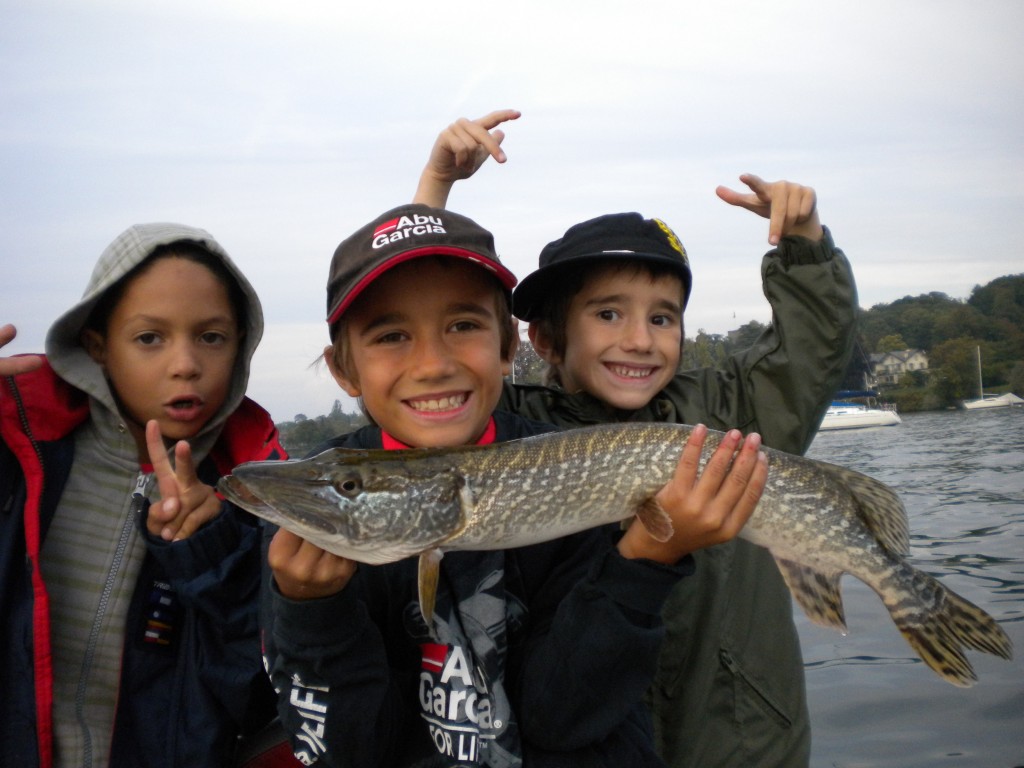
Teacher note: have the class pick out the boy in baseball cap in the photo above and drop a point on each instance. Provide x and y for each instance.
(616, 286)
(605, 309)
(417, 306)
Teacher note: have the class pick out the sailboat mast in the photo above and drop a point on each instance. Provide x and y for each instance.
(981, 388)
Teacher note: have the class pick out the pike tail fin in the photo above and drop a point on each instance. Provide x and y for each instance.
(939, 624)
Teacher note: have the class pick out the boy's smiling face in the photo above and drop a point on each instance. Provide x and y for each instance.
(424, 352)
(169, 348)
(623, 337)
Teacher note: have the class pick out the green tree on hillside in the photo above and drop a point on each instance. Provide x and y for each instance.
(891, 343)
(706, 350)
(953, 366)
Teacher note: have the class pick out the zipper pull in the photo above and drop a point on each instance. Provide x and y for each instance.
(139, 502)
(141, 484)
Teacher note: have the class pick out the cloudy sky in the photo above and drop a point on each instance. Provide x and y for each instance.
(282, 127)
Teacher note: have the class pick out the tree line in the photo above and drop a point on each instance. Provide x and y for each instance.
(949, 331)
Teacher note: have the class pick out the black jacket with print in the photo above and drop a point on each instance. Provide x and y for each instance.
(582, 638)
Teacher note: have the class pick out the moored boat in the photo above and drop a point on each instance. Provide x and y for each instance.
(994, 401)
(990, 401)
(845, 415)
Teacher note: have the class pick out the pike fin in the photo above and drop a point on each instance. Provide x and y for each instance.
(939, 624)
(878, 506)
(429, 573)
(817, 592)
(655, 519)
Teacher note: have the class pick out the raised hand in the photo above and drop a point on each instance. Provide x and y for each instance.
(12, 366)
(709, 507)
(185, 503)
(791, 208)
(459, 151)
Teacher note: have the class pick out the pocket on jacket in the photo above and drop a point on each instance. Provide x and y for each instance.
(753, 700)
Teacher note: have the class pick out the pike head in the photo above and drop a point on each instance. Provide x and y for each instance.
(370, 506)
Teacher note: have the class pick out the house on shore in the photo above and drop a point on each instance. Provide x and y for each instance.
(888, 367)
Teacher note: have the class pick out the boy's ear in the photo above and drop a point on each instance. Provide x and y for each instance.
(543, 344)
(347, 383)
(95, 344)
(509, 360)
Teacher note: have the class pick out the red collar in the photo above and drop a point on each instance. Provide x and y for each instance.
(391, 444)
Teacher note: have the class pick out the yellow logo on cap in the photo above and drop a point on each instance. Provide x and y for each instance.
(672, 239)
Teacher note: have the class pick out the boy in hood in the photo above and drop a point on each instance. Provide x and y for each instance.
(606, 313)
(130, 637)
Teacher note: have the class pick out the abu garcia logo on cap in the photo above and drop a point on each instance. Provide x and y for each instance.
(405, 227)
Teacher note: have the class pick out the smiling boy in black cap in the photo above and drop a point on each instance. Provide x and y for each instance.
(605, 310)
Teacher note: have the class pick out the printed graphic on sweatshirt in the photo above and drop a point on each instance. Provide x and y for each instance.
(456, 704)
(310, 703)
(162, 614)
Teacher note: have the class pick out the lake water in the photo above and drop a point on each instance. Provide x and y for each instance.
(873, 702)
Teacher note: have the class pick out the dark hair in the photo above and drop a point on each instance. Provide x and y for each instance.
(553, 311)
(182, 249)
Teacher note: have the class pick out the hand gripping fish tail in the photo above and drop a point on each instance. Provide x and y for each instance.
(818, 520)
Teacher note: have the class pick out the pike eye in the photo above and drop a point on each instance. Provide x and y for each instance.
(350, 486)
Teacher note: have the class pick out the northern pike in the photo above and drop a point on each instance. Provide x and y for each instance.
(818, 520)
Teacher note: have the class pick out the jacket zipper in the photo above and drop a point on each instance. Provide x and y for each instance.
(137, 502)
(26, 428)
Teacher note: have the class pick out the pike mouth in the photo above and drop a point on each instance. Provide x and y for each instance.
(238, 493)
(297, 520)
(439, 404)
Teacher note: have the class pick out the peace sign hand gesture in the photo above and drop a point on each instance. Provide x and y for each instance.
(186, 502)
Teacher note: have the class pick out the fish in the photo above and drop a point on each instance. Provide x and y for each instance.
(819, 520)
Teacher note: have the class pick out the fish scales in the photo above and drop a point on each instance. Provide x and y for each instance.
(524, 496)
(819, 520)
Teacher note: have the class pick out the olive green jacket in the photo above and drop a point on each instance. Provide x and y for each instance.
(729, 690)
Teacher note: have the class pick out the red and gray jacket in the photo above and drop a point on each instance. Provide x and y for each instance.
(191, 686)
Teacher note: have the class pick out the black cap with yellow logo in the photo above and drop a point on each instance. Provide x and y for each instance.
(614, 236)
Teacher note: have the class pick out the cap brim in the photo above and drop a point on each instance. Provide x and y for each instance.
(504, 276)
(533, 290)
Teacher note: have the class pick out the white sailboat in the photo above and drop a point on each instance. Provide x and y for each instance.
(990, 401)
(855, 416)
(846, 414)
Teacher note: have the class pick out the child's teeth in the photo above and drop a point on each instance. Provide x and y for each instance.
(440, 404)
(633, 373)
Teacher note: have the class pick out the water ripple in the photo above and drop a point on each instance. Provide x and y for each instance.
(961, 477)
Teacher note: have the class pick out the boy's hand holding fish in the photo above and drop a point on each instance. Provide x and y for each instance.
(708, 507)
(303, 571)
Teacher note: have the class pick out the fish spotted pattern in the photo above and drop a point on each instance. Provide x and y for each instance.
(818, 520)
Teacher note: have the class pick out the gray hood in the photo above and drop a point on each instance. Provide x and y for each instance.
(72, 362)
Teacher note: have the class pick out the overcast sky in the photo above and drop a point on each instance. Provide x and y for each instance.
(282, 127)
